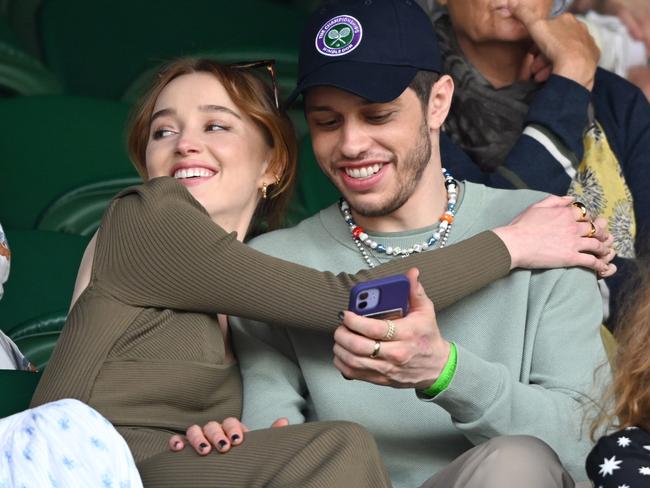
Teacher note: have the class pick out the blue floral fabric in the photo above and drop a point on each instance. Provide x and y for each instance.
(64, 444)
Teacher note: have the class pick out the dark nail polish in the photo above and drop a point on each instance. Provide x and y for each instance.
(341, 315)
(203, 446)
(222, 444)
(234, 437)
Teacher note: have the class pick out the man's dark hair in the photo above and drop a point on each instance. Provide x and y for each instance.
(422, 84)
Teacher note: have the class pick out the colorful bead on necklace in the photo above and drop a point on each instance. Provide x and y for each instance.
(367, 245)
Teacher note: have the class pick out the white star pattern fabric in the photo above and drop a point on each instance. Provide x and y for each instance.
(609, 466)
(621, 460)
(623, 441)
(64, 444)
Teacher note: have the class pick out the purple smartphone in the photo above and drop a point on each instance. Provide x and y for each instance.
(383, 298)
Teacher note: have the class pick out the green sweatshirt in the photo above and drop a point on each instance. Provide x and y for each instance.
(528, 346)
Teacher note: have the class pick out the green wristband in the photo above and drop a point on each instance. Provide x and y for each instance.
(446, 375)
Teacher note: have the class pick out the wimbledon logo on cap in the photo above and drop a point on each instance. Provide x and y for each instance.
(339, 36)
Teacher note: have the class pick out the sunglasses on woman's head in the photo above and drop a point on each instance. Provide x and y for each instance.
(269, 65)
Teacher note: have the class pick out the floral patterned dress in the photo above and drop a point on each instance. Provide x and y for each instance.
(64, 444)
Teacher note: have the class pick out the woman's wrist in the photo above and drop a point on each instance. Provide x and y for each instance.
(507, 236)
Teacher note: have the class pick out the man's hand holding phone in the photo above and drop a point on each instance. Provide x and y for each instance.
(413, 356)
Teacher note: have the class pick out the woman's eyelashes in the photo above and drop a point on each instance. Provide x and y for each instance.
(215, 126)
(165, 132)
(161, 133)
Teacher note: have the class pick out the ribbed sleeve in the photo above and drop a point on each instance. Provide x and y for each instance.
(157, 247)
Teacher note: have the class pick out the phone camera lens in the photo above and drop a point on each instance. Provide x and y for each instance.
(363, 305)
(363, 295)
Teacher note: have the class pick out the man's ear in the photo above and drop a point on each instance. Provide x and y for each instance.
(440, 102)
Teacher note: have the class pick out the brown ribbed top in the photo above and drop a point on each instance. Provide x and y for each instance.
(142, 344)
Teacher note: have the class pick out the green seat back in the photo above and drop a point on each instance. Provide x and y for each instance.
(18, 388)
(38, 347)
(80, 211)
(52, 145)
(43, 271)
(20, 73)
(37, 336)
(101, 47)
(314, 191)
(286, 67)
(21, 15)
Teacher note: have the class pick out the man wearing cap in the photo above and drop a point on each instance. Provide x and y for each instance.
(508, 366)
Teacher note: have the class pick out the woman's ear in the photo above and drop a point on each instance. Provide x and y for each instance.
(442, 93)
(270, 172)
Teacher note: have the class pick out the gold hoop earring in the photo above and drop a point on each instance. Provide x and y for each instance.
(264, 191)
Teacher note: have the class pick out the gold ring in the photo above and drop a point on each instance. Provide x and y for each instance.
(390, 332)
(583, 210)
(375, 351)
(592, 231)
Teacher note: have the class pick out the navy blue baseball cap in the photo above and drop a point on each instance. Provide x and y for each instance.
(372, 48)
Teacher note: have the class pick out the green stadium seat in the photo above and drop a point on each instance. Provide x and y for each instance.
(80, 211)
(37, 296)
(286, 65)
(18, 388)
(55, 151)
(314, 191)
(38, 347)
(37, 336)
(100, 48)
(20, 73)
(21, 16)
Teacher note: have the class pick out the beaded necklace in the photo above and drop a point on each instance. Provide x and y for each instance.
(367, 246)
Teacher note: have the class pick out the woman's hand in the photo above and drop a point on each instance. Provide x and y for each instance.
(553, 234)
(220, 436)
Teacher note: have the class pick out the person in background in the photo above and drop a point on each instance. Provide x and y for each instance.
(622, 458)
(635, 14)
(617, 28)
(5, 260)
(621, 29)
(568, 127)
(10, 355)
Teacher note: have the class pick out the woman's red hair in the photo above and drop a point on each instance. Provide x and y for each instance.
(253, 97)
